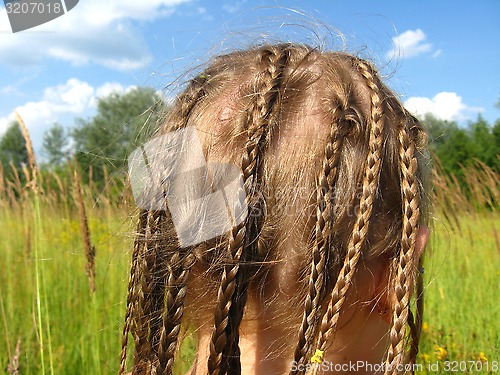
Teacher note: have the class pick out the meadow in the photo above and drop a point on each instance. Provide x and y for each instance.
(62, 304)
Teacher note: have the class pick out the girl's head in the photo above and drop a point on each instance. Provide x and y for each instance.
(324, 261)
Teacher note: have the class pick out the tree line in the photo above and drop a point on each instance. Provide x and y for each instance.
(457, 148)
(99, 144)
(123, 121)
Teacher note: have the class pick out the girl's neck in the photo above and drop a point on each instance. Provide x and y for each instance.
(269, 350)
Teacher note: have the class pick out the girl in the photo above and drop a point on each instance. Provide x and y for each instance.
(318, 265)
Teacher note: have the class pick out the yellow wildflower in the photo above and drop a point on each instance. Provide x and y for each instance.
(425, 327)
(482, 357)
(317, 357)
(440, 352)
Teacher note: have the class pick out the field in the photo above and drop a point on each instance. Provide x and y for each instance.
(52, 323)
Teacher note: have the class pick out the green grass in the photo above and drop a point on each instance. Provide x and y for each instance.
(462, 278)
(84, 331)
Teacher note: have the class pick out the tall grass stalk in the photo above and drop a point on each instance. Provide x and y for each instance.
(41, 289)
(84, 229)
(90, 253)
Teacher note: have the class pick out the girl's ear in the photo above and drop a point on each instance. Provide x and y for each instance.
(382, 294)
(421, 241)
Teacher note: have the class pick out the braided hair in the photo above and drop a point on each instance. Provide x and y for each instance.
(295, 120)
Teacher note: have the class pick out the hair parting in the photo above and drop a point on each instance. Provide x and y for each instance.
(244, 236)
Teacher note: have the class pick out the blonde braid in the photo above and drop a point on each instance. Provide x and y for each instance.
(179, 269)
(132, 285)
(406, 261)
(324, 214)
(161, 251)
(225, 336)
(360, 229)
(142, 353)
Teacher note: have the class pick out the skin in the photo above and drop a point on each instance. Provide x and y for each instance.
(362, 333)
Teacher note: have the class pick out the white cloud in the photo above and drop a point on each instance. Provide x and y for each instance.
(444, 106)
(95, 31)
(71, 99)
(409, 44)
(108, 88)
(5, 121)
(233, 7)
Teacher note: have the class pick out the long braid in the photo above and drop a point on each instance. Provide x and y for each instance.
(132, 285)
(178, 262)
(275, 66)
(360, 229)
(157, 292)
(324, 213)
(178, 272)
(406, 261)
(142, 353)
(224, 297)
(226, 325)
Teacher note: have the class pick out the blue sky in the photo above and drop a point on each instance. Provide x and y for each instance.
(440, 56)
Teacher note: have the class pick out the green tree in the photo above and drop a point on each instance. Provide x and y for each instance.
(13, 148)
(55, 143)
(121, 123)
(439, 131)
(458, 150)
(455, 146)
(495, 131)
(483, 142)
